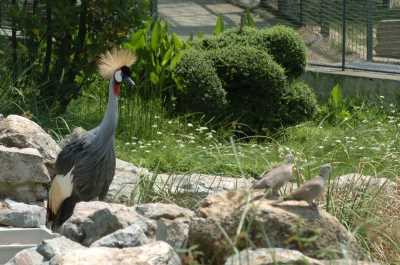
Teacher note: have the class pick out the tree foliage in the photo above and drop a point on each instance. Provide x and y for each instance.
(59, 41)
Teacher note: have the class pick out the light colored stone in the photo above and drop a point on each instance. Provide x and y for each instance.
(280, 223)
(22, 215)
(125, 181)
(201, 184)
(22, 165)
(26, 257)
(57, 246)
(93, 220)
(131, 236)
(358, 182)
(271, 256)
(157, 253)
(20, 132)
(173, 222)
(347, 262)
(246, 3)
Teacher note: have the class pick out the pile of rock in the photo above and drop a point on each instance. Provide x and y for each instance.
(228, 227)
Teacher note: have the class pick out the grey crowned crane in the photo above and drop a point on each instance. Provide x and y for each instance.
(85, 166)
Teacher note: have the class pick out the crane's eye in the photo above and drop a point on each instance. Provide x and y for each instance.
(118, 76)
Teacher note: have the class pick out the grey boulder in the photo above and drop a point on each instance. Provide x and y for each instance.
(131, 236)
(22, 215)
(56, 246)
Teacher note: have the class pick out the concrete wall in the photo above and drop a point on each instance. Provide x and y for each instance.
(363, 85)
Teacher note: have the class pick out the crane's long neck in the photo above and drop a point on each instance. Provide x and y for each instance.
(110, 119)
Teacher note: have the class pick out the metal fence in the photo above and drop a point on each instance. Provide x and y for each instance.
(347, 34)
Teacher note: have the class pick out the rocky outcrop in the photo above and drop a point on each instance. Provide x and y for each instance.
(20, 132)
(22, 215)
(91, 221)
(157, 253)
(291, 224)
(173, 222)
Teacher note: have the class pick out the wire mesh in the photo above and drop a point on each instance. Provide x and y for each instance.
(353, 34)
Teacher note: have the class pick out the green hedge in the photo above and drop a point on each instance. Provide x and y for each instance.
(283, 43)
(254, 82)
(199, 88)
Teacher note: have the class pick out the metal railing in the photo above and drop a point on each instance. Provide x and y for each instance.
(346, 34)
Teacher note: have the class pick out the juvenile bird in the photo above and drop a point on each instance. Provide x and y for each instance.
(276, 177)
(311, 189)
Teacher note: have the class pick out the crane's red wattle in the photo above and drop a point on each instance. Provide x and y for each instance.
(117, 89)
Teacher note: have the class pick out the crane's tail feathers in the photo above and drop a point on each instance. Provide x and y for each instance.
(112, 60)
(60, 189)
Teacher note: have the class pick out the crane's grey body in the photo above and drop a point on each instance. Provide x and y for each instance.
(276, 177)
(93, 156)
(311, 189)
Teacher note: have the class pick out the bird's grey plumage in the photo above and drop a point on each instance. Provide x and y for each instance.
(277, 176)
(311, 189)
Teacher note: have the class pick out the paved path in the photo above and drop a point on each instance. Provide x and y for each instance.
(187, 17)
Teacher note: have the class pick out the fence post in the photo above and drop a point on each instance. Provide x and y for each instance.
(324, 22)
(344, 26)
(154, 9)
(370, 29)
(301, 13)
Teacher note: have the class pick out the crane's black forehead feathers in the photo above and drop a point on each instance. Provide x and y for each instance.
(126, 70)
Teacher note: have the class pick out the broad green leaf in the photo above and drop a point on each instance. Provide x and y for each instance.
(155, 35)
(167, 56)
(219, 26)
(336, 98)
(154, 78)
(249, 19)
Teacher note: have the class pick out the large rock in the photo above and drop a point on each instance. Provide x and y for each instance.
(23, 175)
(26, 257)
(201, 184)
(93, 220)
(125, 181)
(360, 183)
(20, 132)
(56, 246)
(21, 215)
(246, 3)
(132, 236)
(173, 222)
(157, 253)
(272, 256)
(290, 224)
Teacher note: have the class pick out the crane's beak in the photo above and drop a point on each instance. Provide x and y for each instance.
(129, 81)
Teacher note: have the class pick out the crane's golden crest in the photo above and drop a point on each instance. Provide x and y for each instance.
(112, 60)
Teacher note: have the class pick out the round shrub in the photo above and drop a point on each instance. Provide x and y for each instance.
(199, 88)
(234, 36)
(287, 48)
(283, 43)
(254, 82)
(299, 104)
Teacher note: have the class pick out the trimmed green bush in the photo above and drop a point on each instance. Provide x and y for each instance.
(299, 104)
(283, 43)
(199, 88)
(287, 48)
(255, 85)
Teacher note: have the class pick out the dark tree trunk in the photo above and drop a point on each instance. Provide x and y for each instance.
(49, 42)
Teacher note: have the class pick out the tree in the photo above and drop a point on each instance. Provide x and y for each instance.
(61, 41)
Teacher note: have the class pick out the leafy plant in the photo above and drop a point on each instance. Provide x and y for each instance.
(158, 53)
(219, 26)
(336, 109)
